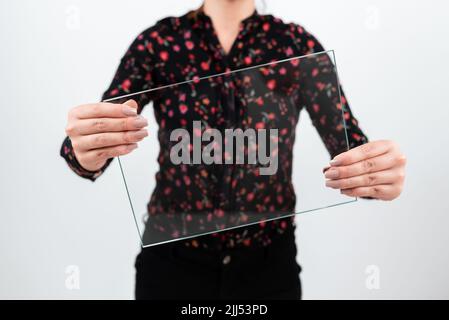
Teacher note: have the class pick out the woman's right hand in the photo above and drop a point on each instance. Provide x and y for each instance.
(101, 131)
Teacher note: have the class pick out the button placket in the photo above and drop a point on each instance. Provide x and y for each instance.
(226, 260)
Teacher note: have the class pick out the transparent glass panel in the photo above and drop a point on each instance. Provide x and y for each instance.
(229, 150)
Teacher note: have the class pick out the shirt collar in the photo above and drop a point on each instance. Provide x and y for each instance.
(201, 19)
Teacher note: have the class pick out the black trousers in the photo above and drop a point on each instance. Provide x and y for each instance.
(174, 271)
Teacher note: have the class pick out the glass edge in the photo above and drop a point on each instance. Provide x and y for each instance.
(246, 225)
(130, 201)
(196, 78)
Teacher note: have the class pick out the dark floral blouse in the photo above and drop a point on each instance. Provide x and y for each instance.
(181, 48)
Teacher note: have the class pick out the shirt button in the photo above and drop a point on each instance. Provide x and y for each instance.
(226, 260)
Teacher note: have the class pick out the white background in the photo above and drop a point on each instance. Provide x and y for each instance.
(392, 58)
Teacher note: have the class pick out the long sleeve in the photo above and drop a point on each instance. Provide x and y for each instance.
(134, 74)
(321, 93)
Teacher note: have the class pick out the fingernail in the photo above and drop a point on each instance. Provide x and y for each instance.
(330, 183)
(331, 174)
(132, 147)
(335, 162)
(325, 169)
(141, 134)
(129, 111)
(140, 122)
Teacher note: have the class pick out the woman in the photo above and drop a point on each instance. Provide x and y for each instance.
(250, 262)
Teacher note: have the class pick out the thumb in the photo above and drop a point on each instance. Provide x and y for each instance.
(132, 103)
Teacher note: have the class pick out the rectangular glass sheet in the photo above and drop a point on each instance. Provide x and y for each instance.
(229, 151)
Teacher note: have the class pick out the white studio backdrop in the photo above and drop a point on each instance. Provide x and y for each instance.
(65, 237)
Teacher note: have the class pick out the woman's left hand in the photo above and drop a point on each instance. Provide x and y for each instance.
(373, 170)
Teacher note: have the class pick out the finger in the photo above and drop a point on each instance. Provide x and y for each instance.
(380, 163)
(104, 110)
(109, 139)
(132, 103)
(99, 156)
(99, 125)
(365, 151)
(382, 192)
(326, 168)
(366, 180)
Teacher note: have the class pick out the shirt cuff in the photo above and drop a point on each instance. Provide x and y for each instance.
(68, 154)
